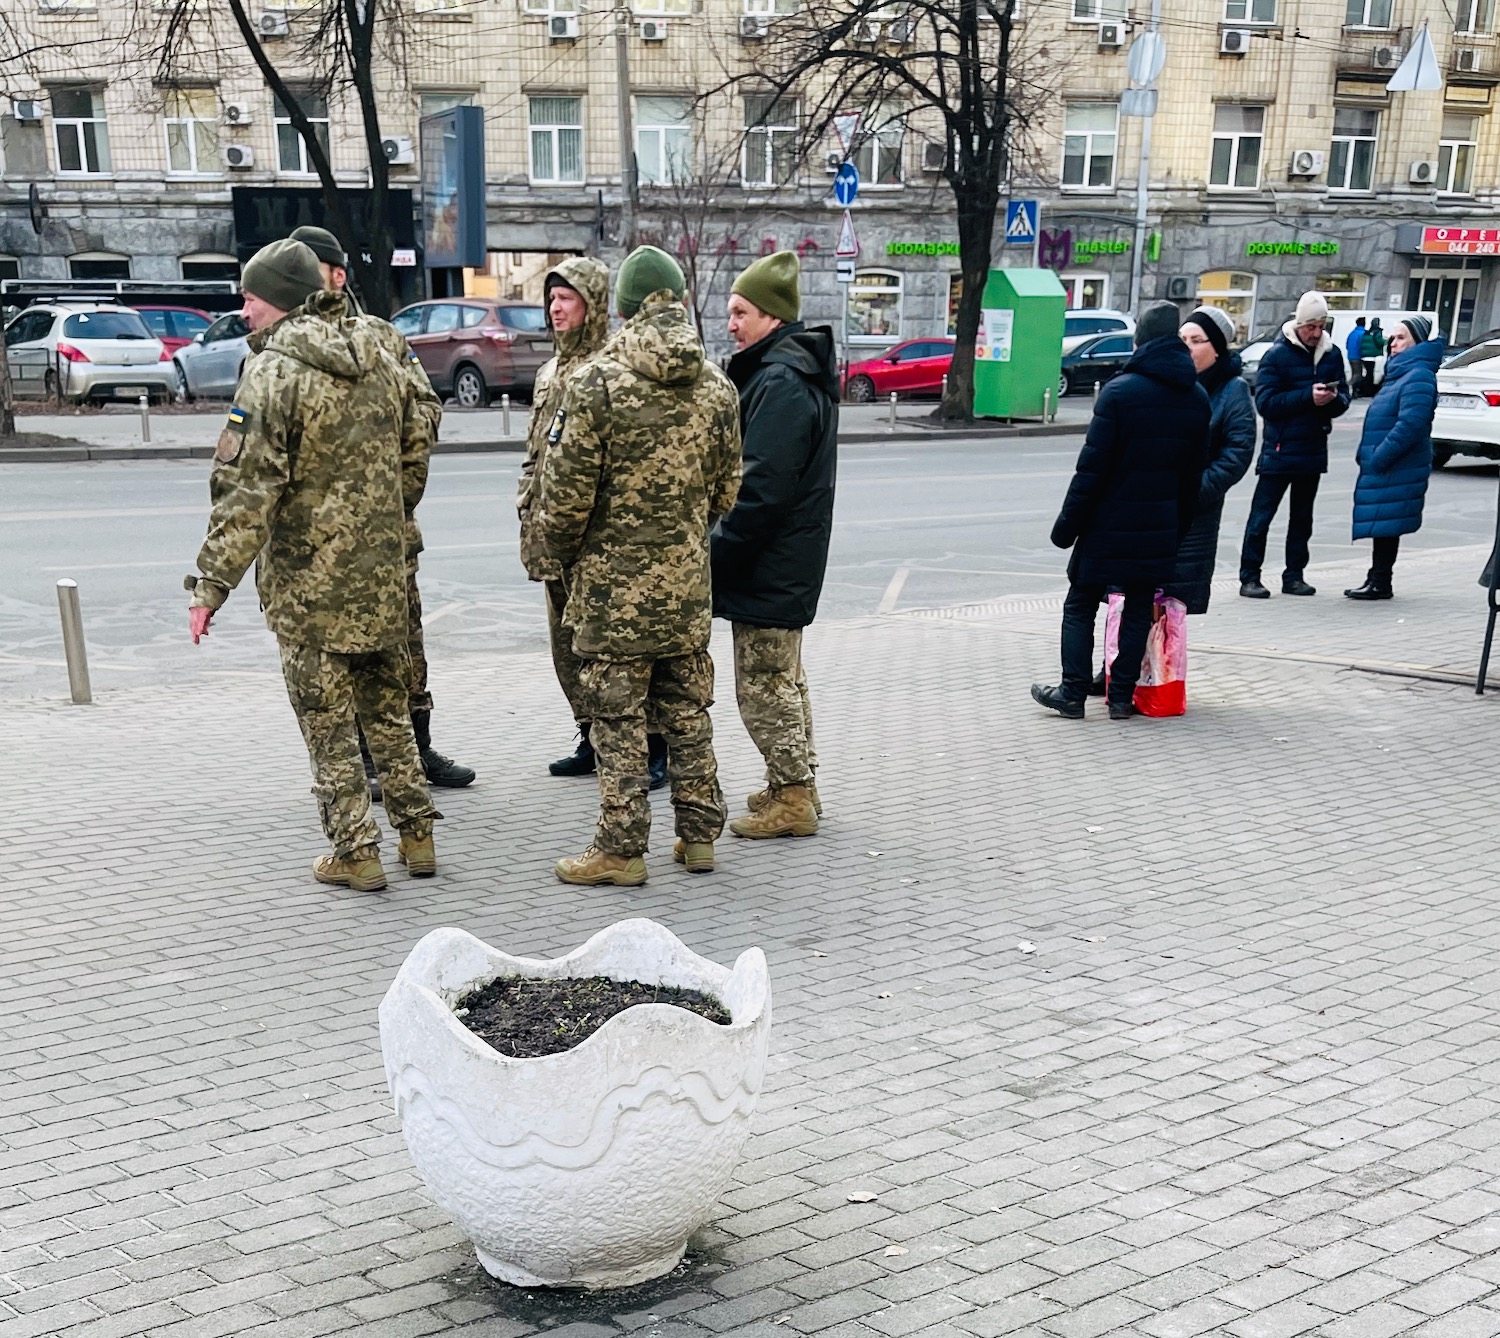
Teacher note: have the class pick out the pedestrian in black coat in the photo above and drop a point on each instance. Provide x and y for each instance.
(1300, 388)
(1128, 507)
(1231, 447)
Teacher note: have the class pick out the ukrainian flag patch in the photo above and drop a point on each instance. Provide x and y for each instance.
(413, 356)
(238, 418)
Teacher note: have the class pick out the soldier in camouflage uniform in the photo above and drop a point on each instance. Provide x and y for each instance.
(314, 475)
(642, 456)
(333, 263)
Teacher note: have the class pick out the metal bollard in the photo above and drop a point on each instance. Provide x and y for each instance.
(891, 419)
(505, 415)
(73, 647)
(945, 386)
(1047, 414)
(145, 403)
(1097, 384)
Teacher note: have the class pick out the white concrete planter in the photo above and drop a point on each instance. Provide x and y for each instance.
(592, 1167)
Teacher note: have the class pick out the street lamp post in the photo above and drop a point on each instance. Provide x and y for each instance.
(1148, 53)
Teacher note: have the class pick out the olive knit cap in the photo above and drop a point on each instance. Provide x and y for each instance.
(773, 284)
(646, 270)
(285, 274)
(323, 244)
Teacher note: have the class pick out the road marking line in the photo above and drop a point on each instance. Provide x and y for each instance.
(893, 591)
(118, 566)
(942, 519)
(429, 618)
(63, 664)
(112, 513)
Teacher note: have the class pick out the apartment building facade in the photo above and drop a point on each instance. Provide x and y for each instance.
(1279, 161)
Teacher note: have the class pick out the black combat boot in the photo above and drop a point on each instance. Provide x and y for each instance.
(441, 771)
(580, 762)
(1377, 586)
(656, 756)
(372, 777)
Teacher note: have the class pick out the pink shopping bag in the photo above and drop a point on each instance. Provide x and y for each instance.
(1161, 689)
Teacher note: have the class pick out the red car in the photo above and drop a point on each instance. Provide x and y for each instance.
(175, 326)
(916, 367)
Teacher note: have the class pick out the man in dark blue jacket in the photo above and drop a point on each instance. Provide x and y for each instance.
(1300, 388)
(769, 553)
(1129, 504)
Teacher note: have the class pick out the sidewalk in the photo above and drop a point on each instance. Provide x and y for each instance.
(1154, 1028)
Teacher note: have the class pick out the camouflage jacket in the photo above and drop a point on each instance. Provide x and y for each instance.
(322, 459)
(643, 456)
(591, 279)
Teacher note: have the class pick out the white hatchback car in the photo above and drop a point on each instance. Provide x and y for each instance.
(1082, 323)
(1467, 421)
(87, 351)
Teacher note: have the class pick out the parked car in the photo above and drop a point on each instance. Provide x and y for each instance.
(87, 351)
(1250, 357)
(209, 365)
(474, 348)
(1467, 421)
(1094, 361)
(1082, 322)
(175, 326)
(1453, 350)
(916, 367)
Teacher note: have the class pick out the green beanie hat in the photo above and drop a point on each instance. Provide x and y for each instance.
(772, 283)
(285, 274)
(646, 270)
(322, 244)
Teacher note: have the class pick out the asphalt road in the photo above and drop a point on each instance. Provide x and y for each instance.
(917, 525)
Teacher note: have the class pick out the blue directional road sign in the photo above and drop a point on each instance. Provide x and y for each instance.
(846, 184)
(1020, 222)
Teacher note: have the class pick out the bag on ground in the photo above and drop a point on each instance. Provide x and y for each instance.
(1161, 689)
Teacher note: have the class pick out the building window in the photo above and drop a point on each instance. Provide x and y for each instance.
(1351, 158)
(1237, 139)
(430, 104)
(1249, 11)
(662, 6)
(1090, 132)
(663, 140)
(1086, 291)
(1343, 290)
(771, 129)
(556, 139)
(1456, 151)
(98, 265)
(874, 312)
(877, 150)
(551, 6)
(1367, 14)
(291, 152)
(1092, 11)
(79, 132)
(10, 268)
(1475, 16)
(209, 266)
(1233, 292)
(192, 123)
(770, 8)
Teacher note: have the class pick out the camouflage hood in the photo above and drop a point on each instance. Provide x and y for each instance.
(320, 334)
(590, 279)
(659, 342)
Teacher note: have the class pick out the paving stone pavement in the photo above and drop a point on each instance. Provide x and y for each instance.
(1242, 1082)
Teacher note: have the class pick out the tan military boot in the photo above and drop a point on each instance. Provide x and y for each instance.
(359, 871)
(596, 866)
(761, 798)
(788, 811)
(418, 854)
(697, 856)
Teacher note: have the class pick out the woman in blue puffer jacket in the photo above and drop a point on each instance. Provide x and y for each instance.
(1395, 451)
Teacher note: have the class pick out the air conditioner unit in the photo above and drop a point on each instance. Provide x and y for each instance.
(832, 161)
(1423, 173)
(901, 32)
(1466, 60)
(239, 155)
(1306, 163)
(563, 27)
(28, 112)
(1181, 287)
(934, 157)
(866, 33)
(398, 150)
(1235, 41)
(238, 113)
(754, 27)
(652, 30)
(1112, 34)
(272, 23)
(1385, 57)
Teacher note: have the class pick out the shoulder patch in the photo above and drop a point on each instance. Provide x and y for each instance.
(239, 419)
(410, 354)
(559, 421)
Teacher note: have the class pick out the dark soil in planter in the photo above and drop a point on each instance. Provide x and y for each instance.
(524, 1018)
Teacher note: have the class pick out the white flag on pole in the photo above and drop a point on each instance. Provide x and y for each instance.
(1418, 71)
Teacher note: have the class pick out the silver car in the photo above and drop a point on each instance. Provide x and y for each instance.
(210, 366)
(87, 351)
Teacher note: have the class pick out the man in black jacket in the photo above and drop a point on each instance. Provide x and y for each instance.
(1129, 504)
(770, 551)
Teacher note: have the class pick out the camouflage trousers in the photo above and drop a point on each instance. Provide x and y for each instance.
(326, 690)
(419, 698)
(564, 661)
(771, 690)
(625, 699)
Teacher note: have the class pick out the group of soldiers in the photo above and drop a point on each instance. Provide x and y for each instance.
(657, 492)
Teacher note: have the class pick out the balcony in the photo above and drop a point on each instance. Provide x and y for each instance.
(1372, 53)
(1474, 61)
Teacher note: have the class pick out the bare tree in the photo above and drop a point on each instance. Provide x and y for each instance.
(953, 65)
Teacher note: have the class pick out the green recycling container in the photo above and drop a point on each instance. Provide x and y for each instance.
(1018, 351)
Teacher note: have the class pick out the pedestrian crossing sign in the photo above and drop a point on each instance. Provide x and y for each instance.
(1021, 222)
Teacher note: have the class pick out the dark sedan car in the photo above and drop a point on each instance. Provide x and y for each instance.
(1094, 361)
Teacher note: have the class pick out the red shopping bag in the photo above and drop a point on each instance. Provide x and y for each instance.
(1161, 689)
